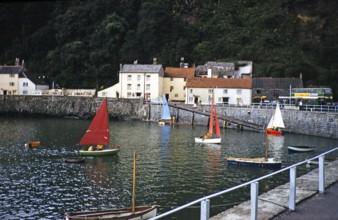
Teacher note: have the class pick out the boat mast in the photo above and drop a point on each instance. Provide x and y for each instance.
(266, 147)
(134, 183)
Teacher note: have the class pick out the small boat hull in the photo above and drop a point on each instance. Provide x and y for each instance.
(75, 160)
(270, 163)
(98, 153)
(33, 144)
(274, 132)
(301, 148)
(141, 212)
(208, 140)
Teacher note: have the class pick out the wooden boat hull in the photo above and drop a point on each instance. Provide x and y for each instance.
(255, 162)
(208, 140)
(274, 132)
(141, 212)
(301, 148)
(98, 153)
(32, 144)
(75, 160)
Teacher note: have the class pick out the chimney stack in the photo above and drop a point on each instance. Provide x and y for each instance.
(155, 61)
(17, 62)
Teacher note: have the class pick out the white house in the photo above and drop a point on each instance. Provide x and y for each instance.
(9, 79)
(112, 92)
(226, 91)
(30, 85)
(141, 81)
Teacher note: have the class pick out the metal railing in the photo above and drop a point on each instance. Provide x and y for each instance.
(205, 201)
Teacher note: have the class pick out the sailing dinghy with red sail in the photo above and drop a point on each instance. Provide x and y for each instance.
(97, 135)
(214, 130)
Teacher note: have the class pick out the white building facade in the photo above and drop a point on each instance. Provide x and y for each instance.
(141, 81)
(226, 91)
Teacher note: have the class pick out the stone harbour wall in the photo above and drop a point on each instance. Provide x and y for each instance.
(324, 124)
(69, 106)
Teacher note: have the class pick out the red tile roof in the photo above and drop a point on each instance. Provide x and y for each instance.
(198, 82)
(179, 72)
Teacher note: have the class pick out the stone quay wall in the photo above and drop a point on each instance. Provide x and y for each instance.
(70, 106)
(324, 124)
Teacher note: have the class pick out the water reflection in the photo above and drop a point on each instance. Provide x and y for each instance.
(171, 169)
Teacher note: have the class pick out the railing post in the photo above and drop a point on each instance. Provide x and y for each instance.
(205, 209)
(321, 174)
(254, 200)
(292, 193)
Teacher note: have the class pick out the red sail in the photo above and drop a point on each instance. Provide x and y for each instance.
(217, 130)
(98, 131)
(214, 119)
(211, 122)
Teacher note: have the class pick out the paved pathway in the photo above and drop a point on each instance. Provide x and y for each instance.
(321, 206)
(274, 203)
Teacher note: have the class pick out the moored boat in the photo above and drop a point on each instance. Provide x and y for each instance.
(33, 144)
(264, 162)
(301, 148)
(255, 162)
(141, 212)
(74, 160)
(134, 212)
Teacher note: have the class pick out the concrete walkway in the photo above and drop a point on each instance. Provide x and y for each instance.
(276, 201)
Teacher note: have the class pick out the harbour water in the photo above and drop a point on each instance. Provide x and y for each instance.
(171, 169)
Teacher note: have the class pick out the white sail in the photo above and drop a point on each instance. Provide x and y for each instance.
(277, 118)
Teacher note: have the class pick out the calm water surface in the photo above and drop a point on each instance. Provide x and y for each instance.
(171, 169)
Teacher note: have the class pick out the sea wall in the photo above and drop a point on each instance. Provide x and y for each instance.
(69, 106)
(324, 124)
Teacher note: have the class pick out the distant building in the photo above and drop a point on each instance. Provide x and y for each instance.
(267, 88)
(238, 69)
(226, 91)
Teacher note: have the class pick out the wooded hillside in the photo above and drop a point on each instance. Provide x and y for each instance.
(80, 44)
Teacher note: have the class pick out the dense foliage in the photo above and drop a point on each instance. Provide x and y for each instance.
(81, 44)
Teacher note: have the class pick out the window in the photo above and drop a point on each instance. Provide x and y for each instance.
(25, 84)
(129, 94)
(148, 78)
(104, 94)
(129, 77)
(191, 90)
(171, 88)
(191, 99)
(12, 75)
(238, 91)
(138, 86)
(11, 84)
(176, 95)
(25, 92)
(129, 87)
(185, 79)
(147, 87)
(171, 79)
(138, 77)
(210, 91)
(225, 91)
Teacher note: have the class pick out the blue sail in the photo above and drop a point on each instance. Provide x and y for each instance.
(165, 109)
